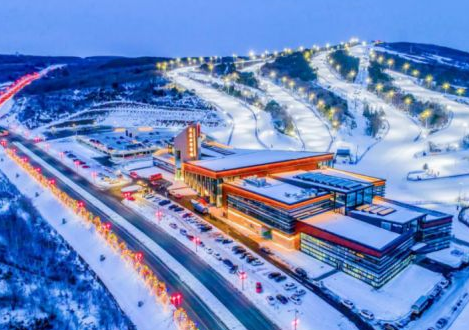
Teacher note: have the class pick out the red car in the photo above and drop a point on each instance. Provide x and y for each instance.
(133, 175)
(258, 287)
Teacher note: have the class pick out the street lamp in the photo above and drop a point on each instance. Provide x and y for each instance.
(460, 91)
(406, 67)
(197, 242)
(176, 299)
(446, 86)
(159, 215)
(243, 276)
(295, 321)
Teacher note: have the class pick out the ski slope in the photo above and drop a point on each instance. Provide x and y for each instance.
(252, 127)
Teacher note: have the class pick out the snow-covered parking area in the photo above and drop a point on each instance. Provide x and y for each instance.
(67, 149)
(314, 313)
(391, 301)
(453, 256)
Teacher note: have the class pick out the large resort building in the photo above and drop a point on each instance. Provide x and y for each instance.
(298, 200)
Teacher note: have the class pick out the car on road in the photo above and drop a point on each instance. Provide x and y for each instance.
(85, 166)
(443, 284)
(258, 287)
(183, 231)
(173, 225)
(280, 278)
(273, 275)
(270, 300)
(289, 286)
(301, 272)
(283, 300)
(266, 250)
(348, 303)
(367, 314)
(441, 323)
(190, 237)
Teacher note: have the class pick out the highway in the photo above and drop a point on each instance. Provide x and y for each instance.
(243, 309)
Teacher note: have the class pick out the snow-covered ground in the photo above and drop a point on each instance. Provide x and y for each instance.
(391, 301)
(314, 313)
(121, 280)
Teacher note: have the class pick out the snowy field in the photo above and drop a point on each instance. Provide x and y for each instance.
(120, 279)
(391, 301)
(314, 313)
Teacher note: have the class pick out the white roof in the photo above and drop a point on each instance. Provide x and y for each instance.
(353, 229)
(278, 190)
(248, 158)
(401, 214)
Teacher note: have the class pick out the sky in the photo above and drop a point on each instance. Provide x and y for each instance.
(217, 27)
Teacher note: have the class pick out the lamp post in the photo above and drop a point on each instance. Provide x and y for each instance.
(196, 242)
(243, 276)
(159, 215)
(295, 321)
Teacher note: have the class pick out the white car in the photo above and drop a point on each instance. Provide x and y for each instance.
(209, 250)
(217, 256)
(367, 314)
(347, 303)
(289, 286)
(300, 292)
(295, 299)
(270, 300)
(257, 263)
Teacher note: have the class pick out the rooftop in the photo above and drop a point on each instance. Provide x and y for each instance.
(383, 210)
(352, 229)
(277, 190)
(247, 158)
(328, 179)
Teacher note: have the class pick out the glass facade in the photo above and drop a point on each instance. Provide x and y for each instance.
(276, 217)
(375, 271)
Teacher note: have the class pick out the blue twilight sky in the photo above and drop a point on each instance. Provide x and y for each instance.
(216, 27)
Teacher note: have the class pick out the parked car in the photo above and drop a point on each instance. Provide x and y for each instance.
(164, 202)
(187, 215)
(258, 287)
(217, 256)
(300, 292)
(289, 286)
(295, 299)
(209, 250)
(134, 175)
(270, 300)
(257, 263)
(348, 303)
(227, 241)
(234, 269)
(367, 314)
(273, 275)
(283, 300)
(183, 231)
(280, 278)
(228, 263)
(173, 225)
